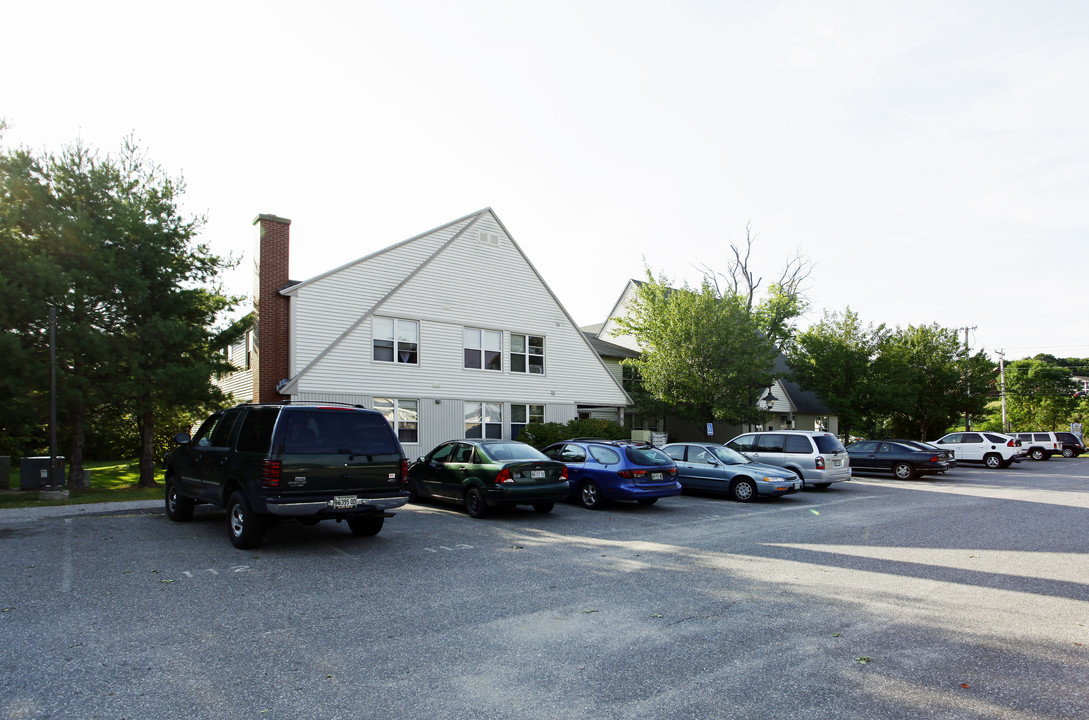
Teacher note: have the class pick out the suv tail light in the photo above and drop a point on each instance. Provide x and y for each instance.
(1013, 443)
(503, 477)
(404, 470)
(270, 473)
(819, 463)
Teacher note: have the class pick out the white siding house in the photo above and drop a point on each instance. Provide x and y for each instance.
(451, 333)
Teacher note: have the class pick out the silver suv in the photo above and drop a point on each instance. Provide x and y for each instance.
(817, 458)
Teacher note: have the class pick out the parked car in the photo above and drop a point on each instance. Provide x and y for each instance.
(994, 450)
(817, 458)
(604, 470)
(1039, 445)
(903, 461)
(710, 467)
(307, 462)
(1072, 444)
(485, 474)
(947, 455)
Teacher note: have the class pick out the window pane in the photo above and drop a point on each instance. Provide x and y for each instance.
(383, 350)
(517, 343)
(493, 413)
(536, 364)
(472, 430)
(383, 329)
(517, 363)
(472, 412)
(385, 406)
(472, 358)
(518, 413)
(408, 331)
(493, 360)
(407, 411)
(536, 413)
(494, 432)
(493, 340)
(406, 353)
(472, 338)
(536, 345)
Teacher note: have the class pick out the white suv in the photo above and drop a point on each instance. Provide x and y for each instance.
(1040, 445)
(994, 450)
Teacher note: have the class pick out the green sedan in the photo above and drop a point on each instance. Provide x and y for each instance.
(486, 474)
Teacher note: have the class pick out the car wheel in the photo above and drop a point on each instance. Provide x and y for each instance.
(903, 471)
(992, 460)
(178, 507)
(590, 495)
(366, 525)
(543, 507)
(743, 490)
(647, 501)
(474, 503)
(244, 527)
(1038, 454)
(1068, 452)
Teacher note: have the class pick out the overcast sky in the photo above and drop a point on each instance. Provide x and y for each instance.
(931, 158)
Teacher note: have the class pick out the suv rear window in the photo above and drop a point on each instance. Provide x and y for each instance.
(318, 432)
(995, 438)
(828, 444)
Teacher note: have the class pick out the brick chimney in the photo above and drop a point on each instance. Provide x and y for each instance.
(270, 308)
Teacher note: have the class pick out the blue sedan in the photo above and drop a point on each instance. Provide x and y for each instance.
(710, 467)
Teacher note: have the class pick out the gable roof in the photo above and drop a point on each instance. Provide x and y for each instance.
(413, 256)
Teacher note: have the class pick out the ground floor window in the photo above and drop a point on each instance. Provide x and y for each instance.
(484, 420)
(522, 415)
(403, 415)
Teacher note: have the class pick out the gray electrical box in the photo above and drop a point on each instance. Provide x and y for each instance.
(34, 473)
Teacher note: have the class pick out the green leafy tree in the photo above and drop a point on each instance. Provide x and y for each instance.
(102, 241)
(703, 352)
(928, 374)
(834, 358)
(1040, 394)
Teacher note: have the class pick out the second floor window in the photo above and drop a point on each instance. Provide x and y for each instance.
(483, 349)
(396, 341)
(527, 354)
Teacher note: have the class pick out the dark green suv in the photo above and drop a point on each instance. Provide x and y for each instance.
(305, 462)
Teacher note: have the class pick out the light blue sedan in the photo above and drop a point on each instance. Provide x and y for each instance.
(709, 467)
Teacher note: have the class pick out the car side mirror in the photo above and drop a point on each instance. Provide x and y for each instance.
(182, 438)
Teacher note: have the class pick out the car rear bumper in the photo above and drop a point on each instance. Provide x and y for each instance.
(310, 507)
(515, 494)
(636, 491)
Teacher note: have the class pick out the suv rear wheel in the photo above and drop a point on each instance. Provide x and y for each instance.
(992, 460)
(245, 529)
(1068, 452)
(1038, 454)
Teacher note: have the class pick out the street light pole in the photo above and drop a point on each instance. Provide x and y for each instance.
(53, 397)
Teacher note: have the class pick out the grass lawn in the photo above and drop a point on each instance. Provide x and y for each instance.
(110, 482)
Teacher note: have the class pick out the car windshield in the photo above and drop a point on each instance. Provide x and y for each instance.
(505, 452)
(728, 456)
(641, 455)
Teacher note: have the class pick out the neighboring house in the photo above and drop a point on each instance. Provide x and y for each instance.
(239, 384)
(452, 333)
(790, 408)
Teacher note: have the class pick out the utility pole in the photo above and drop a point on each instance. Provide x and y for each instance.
(1002, 387)
(967, 376)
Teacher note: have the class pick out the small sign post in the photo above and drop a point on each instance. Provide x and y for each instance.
(710, 429)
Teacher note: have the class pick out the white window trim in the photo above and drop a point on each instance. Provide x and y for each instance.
(483, 333)
(396, 421)
(395, 361)
(527, 355)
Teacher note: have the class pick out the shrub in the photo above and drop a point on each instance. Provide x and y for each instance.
(541, 435)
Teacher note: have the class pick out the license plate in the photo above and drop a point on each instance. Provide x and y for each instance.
(797, 486)
(537, 474)
(344, 502)
(656, 476)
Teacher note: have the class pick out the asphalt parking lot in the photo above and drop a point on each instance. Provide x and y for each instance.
(963, 596)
